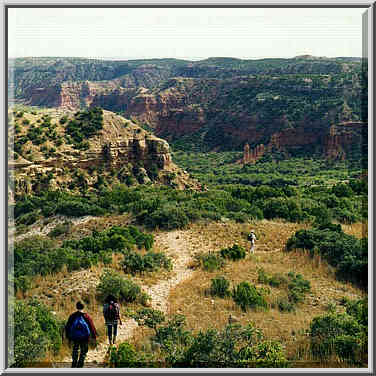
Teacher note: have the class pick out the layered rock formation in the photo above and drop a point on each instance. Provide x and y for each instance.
(121, 147)
(343, 140)
(214, 104)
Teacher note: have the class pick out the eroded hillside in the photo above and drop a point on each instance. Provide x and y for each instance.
(56, 149)
(214, 104)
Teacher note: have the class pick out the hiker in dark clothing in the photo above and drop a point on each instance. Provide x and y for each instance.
(111, 313)
(79, 329)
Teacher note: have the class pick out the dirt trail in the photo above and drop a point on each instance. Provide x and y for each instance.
(180, 246)
(39, 228)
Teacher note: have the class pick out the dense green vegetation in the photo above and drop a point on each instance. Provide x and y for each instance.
(345, 252)
(84, 125)
(246, 295)
(37, 255)
(35, 331)
(134, 262)
(343, 334)
(217, 169)
(235, 346)
(167, 208)
(123, 289)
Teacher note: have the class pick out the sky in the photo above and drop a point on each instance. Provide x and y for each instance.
(186, 33)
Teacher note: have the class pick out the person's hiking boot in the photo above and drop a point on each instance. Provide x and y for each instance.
(114, 340)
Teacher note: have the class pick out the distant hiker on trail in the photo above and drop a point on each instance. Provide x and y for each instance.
(79, 329)
(252, 238)
(111, 313)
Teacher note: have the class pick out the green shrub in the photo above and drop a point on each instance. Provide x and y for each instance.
(345, 252)
(134, 262)
(297, 286)
(113, 283)
(22, 283)
(234, 346)
(342, 190)
(285, 305)
(36, 331)
(211, 261)
(220, 287)
(149, 317)
(262, 276)
(60, 229)
(247, 296)
(28, 219)
(235, 252)
(105, 257)
(78, 208)
(275, 280)
(339, 334)
(357, 309)
(126, 356)
(167, 218)
(29, 340)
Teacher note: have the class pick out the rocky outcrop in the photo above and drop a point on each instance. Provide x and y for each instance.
(251, 156)
(342, 140)
(121, 148)
(167, 112)
(149, 150)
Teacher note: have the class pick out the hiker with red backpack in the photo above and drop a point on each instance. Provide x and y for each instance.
(111, 313)
(79, 329)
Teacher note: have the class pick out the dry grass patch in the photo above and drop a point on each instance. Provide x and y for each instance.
(192, 299)
(359, 229)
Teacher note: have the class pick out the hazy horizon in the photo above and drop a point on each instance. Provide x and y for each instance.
(120, 58)
(184, 33)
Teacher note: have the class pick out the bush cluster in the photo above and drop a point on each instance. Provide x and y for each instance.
(134, 262)
(84, 125)
(216, 260)
(246, 296)
(123, 289)
(236, 252)
(35, 331)
(295, 285)
(274, 280)
(38, 255)
(167, 208)
(220, 287)
(234, 346)
(60, 229)
(210, 261)
(345, 252)
(116, 238)
(342, 334)
(126, 356)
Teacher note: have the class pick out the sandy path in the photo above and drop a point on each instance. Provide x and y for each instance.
(39, 228)
(179, 246)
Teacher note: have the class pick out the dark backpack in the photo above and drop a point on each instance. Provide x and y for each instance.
(79, 329)
(251, 237)
(111, 312)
